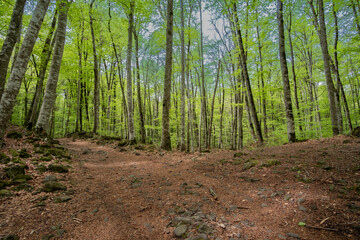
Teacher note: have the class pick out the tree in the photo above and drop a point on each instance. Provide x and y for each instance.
(131, 134)
(10, 40)
(51, 85)
(96, 72)
(182, 106)
(14, 83)
(165, 136)
(285, 75)
(319, 22)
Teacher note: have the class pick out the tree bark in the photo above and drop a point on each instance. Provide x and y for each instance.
(319, 21)
(165, 136)
(14, 83)
(247, 80)
(96, 73)
(50, 91)
(131, 129)
(44, 61)
(78, 98)
(10, 41)
(285, 75)
(141, 114)
(182, 106)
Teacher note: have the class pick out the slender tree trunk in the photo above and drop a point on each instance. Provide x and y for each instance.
(285, 75)
(336, 66)
(96, 72)
(14, 83)
(32, 116)
(182, 105)
(78, 99)
(142, 123)
(247, 80)
(165, 137)
(50, 91)
(356, 18)
(10, 41)
(131, 129)
(321, 29)
(213, 103)
(220, 144)
(294, 74)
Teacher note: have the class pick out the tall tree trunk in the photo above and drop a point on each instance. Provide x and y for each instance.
(182, 105)
(96, 73)
(165, 136)
(336, 66)
(250, 98)
(222, 102)
(285, 75)
(141, 114)
(78, 98)
(32, 116)
(10, 41)
(50, 91)
(294, 73)
(213, 103)
(356, 17)
(14, 83)
(203, 92)
(131, 129)
(319, 22)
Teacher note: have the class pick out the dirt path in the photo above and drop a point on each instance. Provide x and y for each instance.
(148, 194)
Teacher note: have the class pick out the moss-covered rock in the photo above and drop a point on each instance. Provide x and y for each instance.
(5, 193)
(53, 186)
(24, 154)
(4, 183)
(58, 168)
(17, 160)
(14, 135)
(11, 237)
(122, 143)
(58, 153)
(270, 163)
(249, 165)
(62, 199)
(41, 168)
(239, 154)
(15, 171)
(45, 159)
(23, 186)
(4, 158)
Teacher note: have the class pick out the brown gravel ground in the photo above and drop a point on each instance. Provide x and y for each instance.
(135, 194)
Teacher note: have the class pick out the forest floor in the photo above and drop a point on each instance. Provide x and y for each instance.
(140, 192)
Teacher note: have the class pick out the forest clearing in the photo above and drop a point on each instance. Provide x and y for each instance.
(143, 192)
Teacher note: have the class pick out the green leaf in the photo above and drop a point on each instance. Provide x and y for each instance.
(302, 224)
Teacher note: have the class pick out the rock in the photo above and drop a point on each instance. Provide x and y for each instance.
(280, 236)
(356, 132)
(62, 199)
(11, 237)
(182, 220)
(5, 193)
(41, 168)
(4, 184)
(233, 208)
(49, 178)
(14, 135)
(15, 170)
(48, 237)
(249, 165)
(4, 159)
(200, 236)
(301, 208)
(45, 159)
(204, 228)
(293, 235)
(23, 153)
(211, 216)
(23, 186)
(287, 197)
(53, 186)
(180, 230)
(60, 232)
(264, 205)
(301, 200)
(58, 168)
(239, 154)
(58, 153)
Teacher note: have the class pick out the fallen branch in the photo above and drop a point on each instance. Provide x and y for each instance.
(322, 228)
(213, 193)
